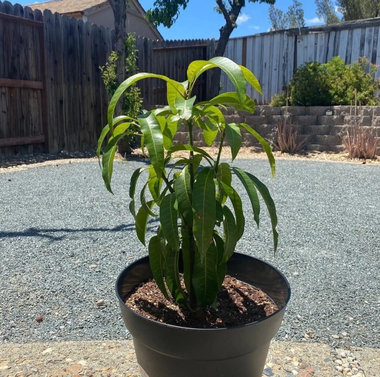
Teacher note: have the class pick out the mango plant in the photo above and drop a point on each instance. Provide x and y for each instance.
(200, 212)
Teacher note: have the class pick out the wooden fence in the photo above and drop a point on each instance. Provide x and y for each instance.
(52, 96)
(273, 57)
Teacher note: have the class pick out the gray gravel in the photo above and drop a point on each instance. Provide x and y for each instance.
(64, 239)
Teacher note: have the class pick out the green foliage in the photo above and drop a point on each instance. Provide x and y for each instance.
(358, 10)
(279, 100)
(333, 83)
(132, 97)
(309, 86)
(200, 211)
(293, 18)
(326, 11)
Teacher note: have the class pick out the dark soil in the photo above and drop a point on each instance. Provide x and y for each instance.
(238, 303)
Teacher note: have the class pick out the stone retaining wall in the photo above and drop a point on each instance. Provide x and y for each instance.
(326, 130)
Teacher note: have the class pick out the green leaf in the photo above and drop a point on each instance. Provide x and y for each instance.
(224, 173)
(175, 90)
(209, 136)
(172, 275)
(154, 184)
(205, 278)
(234, 138)
(231, 99)
(251, 191)
(144, 202)
(264, 144)
(185, 107)
(169, 223)
(182, 188)
(232, 70)
(238, 208)
(188, 147)
(204, 209)
(170, 130)
(153, 140)
(251, 78)
(133, 182)
(264, 192)
(230, 233)
(107, 160)
(132, 80)
(187, 257)
(157, 262)
(102, 136)
(221, 265)
(142, 221)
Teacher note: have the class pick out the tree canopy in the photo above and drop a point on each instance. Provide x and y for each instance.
(293, 18)
(326, 11)
(166, 13)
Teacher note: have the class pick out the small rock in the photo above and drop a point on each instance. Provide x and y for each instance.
(268, 372)
(92, 266)
(335, 336)
(39, 319)
(339, 368)
(48, 350)
(338, 362)
(343, 354)
(100, 303)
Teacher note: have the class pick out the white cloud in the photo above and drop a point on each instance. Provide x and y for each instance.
(242, 18)
(256, 27)
(314, 21)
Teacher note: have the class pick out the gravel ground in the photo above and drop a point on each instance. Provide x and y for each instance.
(64, 239)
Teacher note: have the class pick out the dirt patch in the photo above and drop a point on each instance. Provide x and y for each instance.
(237, 303)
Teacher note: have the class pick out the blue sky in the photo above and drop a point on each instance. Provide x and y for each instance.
(199, 20)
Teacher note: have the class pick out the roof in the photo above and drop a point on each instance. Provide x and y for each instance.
(68, 6)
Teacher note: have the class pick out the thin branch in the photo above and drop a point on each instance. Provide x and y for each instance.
(224, 11)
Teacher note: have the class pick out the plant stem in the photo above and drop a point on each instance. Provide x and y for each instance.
(220, 150)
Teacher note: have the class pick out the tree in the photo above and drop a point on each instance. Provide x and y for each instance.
(326, 11)
(293, 18)
(358, 9)
(119, 8)
(166, 12)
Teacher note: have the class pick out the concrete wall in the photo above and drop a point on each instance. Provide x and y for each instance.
(326, 130)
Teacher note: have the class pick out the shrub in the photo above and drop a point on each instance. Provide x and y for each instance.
(333, 83)
(279, 100)
(309, 86)
(132, 100)
(360, 142)
(287, 138)
(349, 84)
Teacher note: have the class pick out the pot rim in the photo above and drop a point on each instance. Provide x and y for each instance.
(184, 328)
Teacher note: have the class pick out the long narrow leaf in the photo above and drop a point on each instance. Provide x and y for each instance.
(264, 192)
(264, 144)
(144, 202)
(133, 182)
(251, 191)
(182, 188)
(153, 140)
(204, 209)
(251, 78)
(172, 275)
(238, 208)
(130, 81)
(169, 220)
(142, 222)
(234, 138)
(107, 161)
(230, 233)
(205, 278)
(157, 262)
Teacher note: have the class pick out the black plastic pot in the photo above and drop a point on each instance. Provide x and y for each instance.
(170, 351)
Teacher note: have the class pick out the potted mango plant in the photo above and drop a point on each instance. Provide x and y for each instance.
(194, 306)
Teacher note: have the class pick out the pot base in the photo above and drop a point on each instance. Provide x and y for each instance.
(157, 364)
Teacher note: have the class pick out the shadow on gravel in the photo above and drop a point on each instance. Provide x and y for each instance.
(48, 233)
